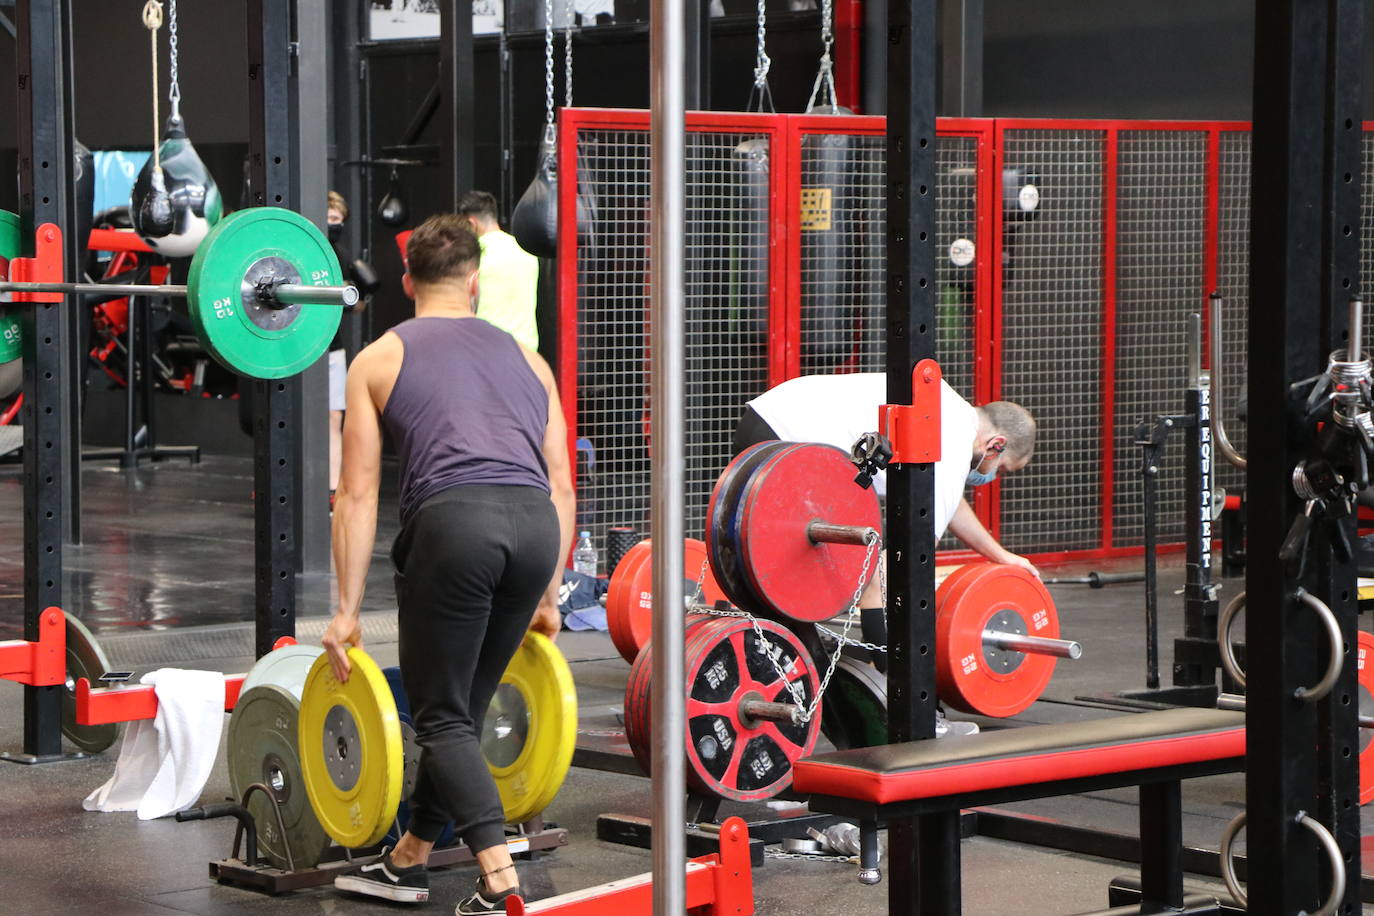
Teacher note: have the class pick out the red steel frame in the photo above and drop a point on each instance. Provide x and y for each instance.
(785, 133)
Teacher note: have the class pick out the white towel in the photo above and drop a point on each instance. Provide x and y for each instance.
(164, 764)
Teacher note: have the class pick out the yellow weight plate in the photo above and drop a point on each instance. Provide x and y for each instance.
(531, 728)
(350, 747)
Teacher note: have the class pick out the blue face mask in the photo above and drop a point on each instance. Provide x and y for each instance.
(977, 479)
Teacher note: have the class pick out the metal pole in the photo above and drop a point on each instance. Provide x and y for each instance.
(283, 293)
(667, 196)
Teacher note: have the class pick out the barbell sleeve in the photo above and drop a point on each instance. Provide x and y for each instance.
(762, 709)
(826, 533)
(283, 293)
(1033, 645)
(304, 294)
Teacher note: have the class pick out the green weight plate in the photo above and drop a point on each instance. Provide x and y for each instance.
(263, 748)
(256, 340)
(286, 667)
(11, 246)
(11, 239)
(84, 659)
(11, 335)
(855, 710)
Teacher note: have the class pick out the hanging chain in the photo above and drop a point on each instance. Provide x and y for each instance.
(760, 94)
(550, 136)
(826, 73)
(152, 21)
(567, 58)
(804, 711)
(173, 94)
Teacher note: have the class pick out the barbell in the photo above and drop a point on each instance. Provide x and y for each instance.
(249, 292)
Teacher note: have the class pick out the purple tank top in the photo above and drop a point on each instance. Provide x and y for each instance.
(466, 410)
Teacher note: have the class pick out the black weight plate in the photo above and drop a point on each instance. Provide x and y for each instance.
(722, 544)
(855, 710)
(84, 659)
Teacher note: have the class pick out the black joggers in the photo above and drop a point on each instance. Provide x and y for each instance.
(471, 565)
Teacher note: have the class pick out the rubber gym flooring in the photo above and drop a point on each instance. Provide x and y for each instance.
(165, 577)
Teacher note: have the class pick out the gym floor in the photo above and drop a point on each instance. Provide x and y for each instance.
(165, 578)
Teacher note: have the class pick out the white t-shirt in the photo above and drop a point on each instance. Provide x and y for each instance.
(838, 409)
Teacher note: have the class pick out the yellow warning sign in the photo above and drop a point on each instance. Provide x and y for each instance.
(815, 209)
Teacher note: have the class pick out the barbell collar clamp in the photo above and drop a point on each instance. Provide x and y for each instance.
(278, 294)
(826, 533)
(1033, 645)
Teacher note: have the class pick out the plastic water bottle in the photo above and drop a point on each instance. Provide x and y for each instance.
(584, 555)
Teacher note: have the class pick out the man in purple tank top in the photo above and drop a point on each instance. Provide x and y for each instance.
(487, 515)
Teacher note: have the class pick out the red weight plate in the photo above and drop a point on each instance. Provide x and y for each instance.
(726, 663)
(637, 709)
(791, 574)
(622, 594)
(966, 672)
(722, 541)
(1366, 680)
(634, 619)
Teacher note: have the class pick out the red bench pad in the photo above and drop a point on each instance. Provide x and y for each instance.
(1023, 756)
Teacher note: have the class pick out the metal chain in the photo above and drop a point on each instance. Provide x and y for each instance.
(828, 633)
(152, 21)
(818, 857)
(567, 58)
(549, 134)
(760, 95)
(174, 93)
(804, 711)
(826, 73)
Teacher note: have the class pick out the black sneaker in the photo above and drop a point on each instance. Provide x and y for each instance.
(485, 903)
(384, 879)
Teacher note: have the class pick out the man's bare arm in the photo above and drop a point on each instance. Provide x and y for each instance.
(966, 527)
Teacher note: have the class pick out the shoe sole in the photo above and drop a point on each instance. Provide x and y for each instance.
(360, 885)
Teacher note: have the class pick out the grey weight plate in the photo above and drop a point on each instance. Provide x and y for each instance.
(84, 659)
(286, 667)
(263, 748)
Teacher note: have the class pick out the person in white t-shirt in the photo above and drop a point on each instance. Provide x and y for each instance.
(977, 444)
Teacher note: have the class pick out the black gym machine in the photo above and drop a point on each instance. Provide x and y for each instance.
(1300, 756)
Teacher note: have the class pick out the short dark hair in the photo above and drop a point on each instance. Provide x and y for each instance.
(442, 248)
(477, 203)
(1016, 423)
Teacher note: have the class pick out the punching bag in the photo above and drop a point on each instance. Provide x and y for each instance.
(392, 210)
(748, 240)
(534, 221)
(175, 201)
(83, 175)
(829, 324)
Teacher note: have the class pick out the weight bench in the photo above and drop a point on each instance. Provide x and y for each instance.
(1152, 750)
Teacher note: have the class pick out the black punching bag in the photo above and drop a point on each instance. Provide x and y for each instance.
(83, 174)
(175, 201)
(828, 315)
(392, 211)
(534, 221)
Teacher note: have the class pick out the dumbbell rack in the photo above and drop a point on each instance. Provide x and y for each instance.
(531, 837)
